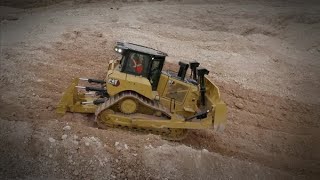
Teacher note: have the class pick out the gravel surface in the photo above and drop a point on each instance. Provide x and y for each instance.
(264, 56)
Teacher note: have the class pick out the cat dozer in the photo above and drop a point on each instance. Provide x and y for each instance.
(138, 95)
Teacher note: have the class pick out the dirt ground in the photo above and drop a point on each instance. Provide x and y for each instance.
(264, 56)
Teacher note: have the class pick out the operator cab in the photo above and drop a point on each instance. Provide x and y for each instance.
(141, 61)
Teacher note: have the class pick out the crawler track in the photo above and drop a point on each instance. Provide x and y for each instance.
(104, 116)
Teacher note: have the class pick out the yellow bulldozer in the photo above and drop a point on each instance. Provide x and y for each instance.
(138, 94)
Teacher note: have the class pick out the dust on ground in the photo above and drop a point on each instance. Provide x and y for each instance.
(264, 56)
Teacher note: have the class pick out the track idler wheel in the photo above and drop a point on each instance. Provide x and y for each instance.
(128, 106)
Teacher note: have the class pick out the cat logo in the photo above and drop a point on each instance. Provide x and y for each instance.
(114, 82)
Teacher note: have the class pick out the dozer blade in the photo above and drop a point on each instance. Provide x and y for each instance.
(73, 101)
(220, 119)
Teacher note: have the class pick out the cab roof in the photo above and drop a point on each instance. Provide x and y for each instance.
(140, 48)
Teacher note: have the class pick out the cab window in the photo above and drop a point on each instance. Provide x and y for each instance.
(137, 64)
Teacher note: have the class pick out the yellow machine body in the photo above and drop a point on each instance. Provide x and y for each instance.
(141, 107)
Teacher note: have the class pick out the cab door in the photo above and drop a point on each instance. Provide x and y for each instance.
(155, 72)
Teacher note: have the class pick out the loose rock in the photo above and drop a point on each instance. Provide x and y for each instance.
(63, 137)
(76, 172)
(67, 128)
(52, 140)
(239, 105)
(76, 142)
(50, 108)
(75, 137)
(205, 150)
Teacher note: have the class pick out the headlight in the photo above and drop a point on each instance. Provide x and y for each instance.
(120, 50)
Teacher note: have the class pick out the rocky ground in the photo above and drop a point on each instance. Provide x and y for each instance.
(264, 56)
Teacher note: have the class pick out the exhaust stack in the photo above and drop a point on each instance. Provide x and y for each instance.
(201, 73)
(183, 70)
(193, 67)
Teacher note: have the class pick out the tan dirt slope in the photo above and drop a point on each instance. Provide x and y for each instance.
(264, 56)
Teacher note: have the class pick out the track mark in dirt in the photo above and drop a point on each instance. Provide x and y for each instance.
(256, 30)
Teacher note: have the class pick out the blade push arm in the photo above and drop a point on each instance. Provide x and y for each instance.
(101, 91)
(98, 81)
